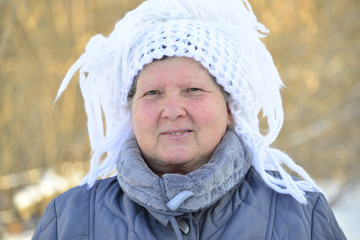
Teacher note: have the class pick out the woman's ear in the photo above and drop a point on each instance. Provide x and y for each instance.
(229, 116)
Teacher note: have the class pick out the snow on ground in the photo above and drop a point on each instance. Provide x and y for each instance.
(347, 212)
(22, 236)
(347, 208)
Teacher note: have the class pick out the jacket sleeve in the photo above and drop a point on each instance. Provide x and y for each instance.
(47, 227)
(324, 224)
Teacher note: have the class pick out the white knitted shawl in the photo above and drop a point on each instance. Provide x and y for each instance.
(224, 36)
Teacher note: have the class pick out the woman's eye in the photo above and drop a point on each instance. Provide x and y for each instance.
(152, 92)
(194, 92)
(194, 89)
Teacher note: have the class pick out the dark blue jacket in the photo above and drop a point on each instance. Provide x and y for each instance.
(224, 199)
(250, 211)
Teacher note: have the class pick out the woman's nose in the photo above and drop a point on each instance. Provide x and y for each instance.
(173, 107)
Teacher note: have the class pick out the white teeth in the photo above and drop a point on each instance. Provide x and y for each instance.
(177, 133)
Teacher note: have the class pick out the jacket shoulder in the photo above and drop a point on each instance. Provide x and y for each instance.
(289, 219)
(324, 224)
(71, 210)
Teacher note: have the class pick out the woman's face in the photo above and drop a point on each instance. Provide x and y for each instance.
(179, 115)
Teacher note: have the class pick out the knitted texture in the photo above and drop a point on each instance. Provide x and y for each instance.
(224, 36)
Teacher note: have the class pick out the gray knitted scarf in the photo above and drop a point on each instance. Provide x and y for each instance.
(191, 192)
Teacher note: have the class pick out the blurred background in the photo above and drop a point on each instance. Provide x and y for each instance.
(45, 151)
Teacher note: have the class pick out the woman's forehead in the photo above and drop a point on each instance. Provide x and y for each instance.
(181, 69)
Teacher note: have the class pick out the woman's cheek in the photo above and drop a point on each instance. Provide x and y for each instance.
(205, 112)
(146, 113)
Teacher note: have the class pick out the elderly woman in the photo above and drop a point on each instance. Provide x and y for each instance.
(180, 85)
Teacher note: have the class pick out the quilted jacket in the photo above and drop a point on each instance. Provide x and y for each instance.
(224, 199)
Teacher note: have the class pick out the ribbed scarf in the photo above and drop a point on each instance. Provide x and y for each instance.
(202, 187)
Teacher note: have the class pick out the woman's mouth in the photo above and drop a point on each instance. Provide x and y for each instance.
(177, 132)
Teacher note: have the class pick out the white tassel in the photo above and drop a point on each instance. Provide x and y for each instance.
(111, 145)
(73, 69)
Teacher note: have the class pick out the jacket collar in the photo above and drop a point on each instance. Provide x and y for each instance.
(206, 185)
